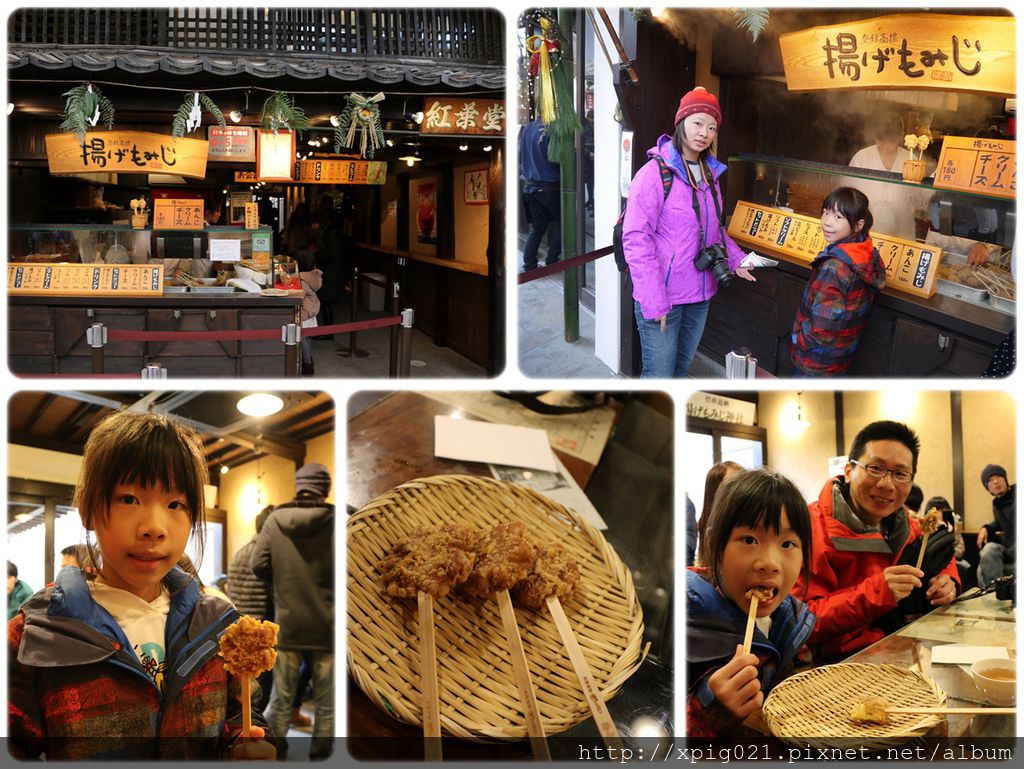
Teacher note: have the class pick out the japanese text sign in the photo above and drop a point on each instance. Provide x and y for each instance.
(327, 171)
(955, 53)
(910, 267)
(85, 279)
(988, 166)
(459, 115)
(178, 214)
(718, 408)
(232, 143)
(126, 152)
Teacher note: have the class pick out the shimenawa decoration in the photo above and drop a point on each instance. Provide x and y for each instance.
(362, 116)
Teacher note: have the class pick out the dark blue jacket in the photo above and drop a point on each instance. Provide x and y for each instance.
(535, 169)
(715, 627)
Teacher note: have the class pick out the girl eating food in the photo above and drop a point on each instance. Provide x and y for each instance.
(756, 542)
(127, 665)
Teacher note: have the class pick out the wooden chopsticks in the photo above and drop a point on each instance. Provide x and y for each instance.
(428, 679)
(527, 695)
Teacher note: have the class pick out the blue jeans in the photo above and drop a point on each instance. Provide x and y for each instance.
(545, 209)
(286, 682)
(670, 354)
(994, 562)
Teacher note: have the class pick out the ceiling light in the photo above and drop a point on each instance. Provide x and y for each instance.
(235, 115)
(22, 517)
(223, 469)
(312, 142)
(417, 117)
(411, 160)
(389, 142)
(487, 148)
(463, 147)
(260, 404)
(334, 121)
(10, 107)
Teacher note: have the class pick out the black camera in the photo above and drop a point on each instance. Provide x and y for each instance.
(713, 258)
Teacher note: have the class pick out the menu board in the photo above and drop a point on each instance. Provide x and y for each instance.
(985, 166)
(178, 214)
(321, 171)
(85, 279)
(910, 267)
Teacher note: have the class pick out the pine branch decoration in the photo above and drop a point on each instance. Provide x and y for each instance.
(180, 122)
(280, 113)
(213, 109)
(85, 106)
(754, 20)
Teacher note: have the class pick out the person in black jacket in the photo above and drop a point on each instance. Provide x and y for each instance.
(997, 541)
(295, 550)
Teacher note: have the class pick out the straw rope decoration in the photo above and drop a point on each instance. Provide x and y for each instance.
(813, 708)
(479, 699)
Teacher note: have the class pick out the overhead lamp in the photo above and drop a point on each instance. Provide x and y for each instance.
(235, 115)
(260, 404)
(223, 469)
(487, 148)
(335, 121)
(22, 517)
(417, 117)
(411, 160)
(312, 142)
(389, 142)
(10, 107)
(463, 147)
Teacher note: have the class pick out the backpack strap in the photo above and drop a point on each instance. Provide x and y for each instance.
(666, 175)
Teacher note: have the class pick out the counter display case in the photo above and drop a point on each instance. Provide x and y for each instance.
(950, 334)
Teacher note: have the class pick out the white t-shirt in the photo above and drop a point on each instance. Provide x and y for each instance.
(143, 623)
(892, 205)
(764, 624)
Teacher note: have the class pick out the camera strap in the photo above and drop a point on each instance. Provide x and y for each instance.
(709, 179)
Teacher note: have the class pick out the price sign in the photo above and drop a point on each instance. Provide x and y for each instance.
(910, 267)
(178, 214)
(85, 279)
(321, 171)
(986, 166)
(252, 216)
(245, 176)
(232, 143)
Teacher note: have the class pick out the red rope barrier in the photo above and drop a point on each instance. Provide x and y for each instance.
(123, 335)
(562, 266)
(363, 276)
(87, 376)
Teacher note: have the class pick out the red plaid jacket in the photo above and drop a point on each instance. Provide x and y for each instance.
(833, 310)
(76, 690)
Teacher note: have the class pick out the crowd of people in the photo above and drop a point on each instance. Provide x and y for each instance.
(128, 631)
(842, 571)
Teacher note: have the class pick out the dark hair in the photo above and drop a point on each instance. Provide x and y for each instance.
(888, 126)
(753, 498)
(12, 570)
(80, 552)
(262, 516)
(945, 508)
(886, 430)
(139, 447)
(853, 205)
(914, 498)
(715, 477)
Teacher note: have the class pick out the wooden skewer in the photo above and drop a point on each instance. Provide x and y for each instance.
(602, 718)
(246, 681)
(748, 637)
(924, 544)
(955, 711)
(428, 679)
(527, 696)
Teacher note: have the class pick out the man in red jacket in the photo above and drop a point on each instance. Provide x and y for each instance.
(861, 581)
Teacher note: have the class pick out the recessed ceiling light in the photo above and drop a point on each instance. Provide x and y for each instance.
(260, 404)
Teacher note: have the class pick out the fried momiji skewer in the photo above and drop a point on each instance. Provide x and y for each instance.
(247, 648)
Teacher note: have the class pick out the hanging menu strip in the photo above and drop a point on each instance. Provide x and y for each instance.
(909, 266)
(85, 279)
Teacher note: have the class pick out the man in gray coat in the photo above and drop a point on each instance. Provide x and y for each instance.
(295, 551)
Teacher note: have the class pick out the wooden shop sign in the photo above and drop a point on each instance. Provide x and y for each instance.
(920, 50)
(910, 267)
(245, 176)
(232, 143)
(986, 166)
(127, 152)
(178, 214)
(85, 279)
(327, 171)
(458, 115)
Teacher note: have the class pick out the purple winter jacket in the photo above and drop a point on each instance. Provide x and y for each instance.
(659, 235)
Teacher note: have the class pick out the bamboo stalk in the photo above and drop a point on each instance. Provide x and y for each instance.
(246, 705)
(748, 636)
(602, 718)
(527, 696)
(428, 679)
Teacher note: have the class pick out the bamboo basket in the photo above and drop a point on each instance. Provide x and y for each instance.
(813, 708)
(479, 699)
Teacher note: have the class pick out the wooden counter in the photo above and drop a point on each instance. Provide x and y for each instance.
(906, 336)
(47, 334)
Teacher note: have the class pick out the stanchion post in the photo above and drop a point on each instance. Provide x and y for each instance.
(393, 352)
(353, 351)
(408, 316)
(96, 336)
(154, 371)
(291, 335)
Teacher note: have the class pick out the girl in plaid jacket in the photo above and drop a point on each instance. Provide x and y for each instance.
(127, 665)
(844, 279)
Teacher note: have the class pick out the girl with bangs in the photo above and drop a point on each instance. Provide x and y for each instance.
(757, 535)
(126, 665)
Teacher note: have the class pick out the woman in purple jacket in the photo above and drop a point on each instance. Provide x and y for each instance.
(662, 236)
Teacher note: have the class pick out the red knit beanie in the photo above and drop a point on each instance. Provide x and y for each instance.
(698, 100)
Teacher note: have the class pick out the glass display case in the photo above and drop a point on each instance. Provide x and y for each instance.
(956, 221)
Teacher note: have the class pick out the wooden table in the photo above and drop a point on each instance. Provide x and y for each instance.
(391, 441)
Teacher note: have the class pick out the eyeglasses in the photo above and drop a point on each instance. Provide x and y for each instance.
(877, 471)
